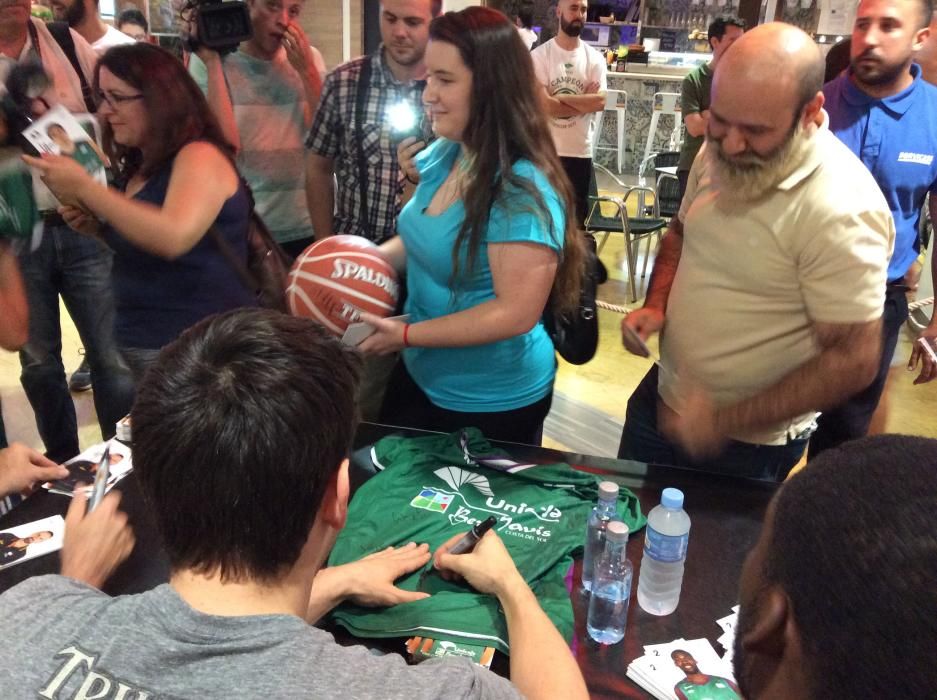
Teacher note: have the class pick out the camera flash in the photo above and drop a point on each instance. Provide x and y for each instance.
(402, 116)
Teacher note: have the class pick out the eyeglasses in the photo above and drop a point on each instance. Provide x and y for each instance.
(115, 101)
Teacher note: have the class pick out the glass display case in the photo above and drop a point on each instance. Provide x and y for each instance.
(688, 61)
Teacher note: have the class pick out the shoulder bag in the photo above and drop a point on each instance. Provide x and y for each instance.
(576, 335)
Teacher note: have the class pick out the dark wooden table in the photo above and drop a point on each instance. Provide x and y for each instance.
(726, 514)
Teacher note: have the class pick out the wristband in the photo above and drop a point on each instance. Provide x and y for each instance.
(406, 331)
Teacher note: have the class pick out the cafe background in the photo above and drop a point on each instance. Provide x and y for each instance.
(589, 402)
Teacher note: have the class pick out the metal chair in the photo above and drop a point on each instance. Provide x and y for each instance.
(616, 102)
(667, 186)
(634, 229)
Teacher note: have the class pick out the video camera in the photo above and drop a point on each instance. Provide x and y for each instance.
(221, 24)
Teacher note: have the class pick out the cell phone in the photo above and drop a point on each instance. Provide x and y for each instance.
(639, 341)
(405, 121)
(926, 346)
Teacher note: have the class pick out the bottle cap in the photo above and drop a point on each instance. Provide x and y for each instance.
(672, 498)
(616, 531)
(608, 490)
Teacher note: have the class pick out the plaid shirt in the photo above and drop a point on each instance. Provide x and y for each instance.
(333, 135)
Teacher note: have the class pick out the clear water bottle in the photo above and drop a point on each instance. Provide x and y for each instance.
(665, 543)
(603, 513)
(611, 589)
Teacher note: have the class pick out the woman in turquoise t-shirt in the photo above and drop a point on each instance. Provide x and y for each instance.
(485, 242)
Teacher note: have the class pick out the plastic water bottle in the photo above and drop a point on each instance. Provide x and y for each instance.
(603, 513)
(611, 589)
(665, 543)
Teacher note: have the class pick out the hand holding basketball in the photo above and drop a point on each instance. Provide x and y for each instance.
(388, 336)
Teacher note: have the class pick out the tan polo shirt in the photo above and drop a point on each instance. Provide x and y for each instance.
(753, 278)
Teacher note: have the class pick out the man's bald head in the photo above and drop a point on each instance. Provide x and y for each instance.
(775, 56)
(764, 107)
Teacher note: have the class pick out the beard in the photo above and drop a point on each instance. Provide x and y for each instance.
(750, 176)
(76, 13)
(573, 28)
(877, 73)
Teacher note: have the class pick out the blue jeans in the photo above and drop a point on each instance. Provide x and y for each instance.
(641, 441)
(79, 269)
(850, 420)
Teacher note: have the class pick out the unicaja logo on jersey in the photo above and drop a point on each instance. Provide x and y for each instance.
(519, 520)
(456, 477)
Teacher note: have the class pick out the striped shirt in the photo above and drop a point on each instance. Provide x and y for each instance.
(333, 135)
(269, 107)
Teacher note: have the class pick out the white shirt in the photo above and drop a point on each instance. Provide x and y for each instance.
(112, 37)
(564, 72)
(528, 36)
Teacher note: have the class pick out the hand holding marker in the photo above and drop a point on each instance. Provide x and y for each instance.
(471, 538)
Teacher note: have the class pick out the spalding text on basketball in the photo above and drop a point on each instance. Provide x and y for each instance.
(347, 269)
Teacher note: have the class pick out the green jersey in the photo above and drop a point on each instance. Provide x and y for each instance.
(87, 157)
(431, 488)
(18, 213)
(715, 688)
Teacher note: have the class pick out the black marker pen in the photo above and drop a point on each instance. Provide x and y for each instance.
(470, 539)
(100, 480)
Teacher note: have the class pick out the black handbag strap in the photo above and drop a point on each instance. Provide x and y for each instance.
(361, 94)
(247, 279)
(63, 36)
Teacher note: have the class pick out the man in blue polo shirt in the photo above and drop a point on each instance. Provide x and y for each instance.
(887, 115)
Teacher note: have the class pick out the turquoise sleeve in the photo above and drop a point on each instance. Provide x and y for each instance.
(519, 218)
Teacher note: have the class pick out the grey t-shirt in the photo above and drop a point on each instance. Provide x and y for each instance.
(64, 639)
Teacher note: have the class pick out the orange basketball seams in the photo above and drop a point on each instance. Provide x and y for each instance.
(336, 278)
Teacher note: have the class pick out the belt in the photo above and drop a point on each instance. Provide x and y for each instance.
(897, 284)
(52, 218)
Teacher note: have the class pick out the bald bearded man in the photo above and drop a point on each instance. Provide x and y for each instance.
(769, 283)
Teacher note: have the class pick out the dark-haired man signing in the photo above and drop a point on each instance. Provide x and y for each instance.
(262, 406)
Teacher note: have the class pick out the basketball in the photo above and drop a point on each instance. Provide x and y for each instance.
(336, 278)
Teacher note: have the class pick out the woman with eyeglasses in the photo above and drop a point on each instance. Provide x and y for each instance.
(175, 179)
(485, 240)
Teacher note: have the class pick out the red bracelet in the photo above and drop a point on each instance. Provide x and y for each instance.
(406, 330)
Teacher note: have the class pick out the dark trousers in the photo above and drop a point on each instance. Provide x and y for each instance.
(79, 269)
(851, 419)
(579, 172)
(406, 404)
(641, 441)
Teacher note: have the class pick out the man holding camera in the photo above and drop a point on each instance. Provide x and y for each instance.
(350, 137)
(264, 95)
(65, 263)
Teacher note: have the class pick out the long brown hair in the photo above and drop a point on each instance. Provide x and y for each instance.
(506, 124)
(177, 110)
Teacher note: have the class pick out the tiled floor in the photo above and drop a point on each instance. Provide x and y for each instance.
(590, 401)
